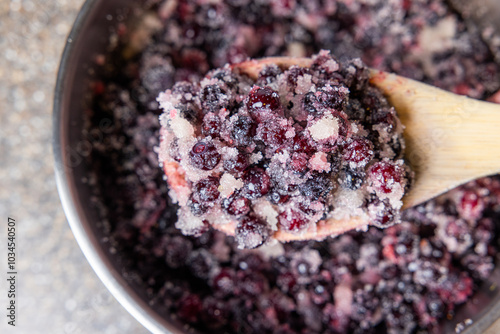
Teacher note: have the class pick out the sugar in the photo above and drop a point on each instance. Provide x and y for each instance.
(327, 127)
(228, 184)
(319, 163)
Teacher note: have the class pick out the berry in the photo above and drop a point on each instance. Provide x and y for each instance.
(190, 308)
(293, 220)
(301, 144)
(358, 152)
(201, 263)
(262, 101)
(318, 186)
(211, 125)
(268, 75)
(298, 162)
(236, 205)
(243, 131)
(256, 183)
(205, 192)
(386, 176)
(251, 232)
(276, 198)
(309, 104)
(204, 155)
(272, 133)
(351, 178)
(237, 164)
(212, 98)
(332, 98)
(224, 282)
(176, 251)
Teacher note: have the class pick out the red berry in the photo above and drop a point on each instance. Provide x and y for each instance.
(211, 125)
(385, 176)
(358, 151)
(237, 164)
(236, 205)
(262, 101)
(257, 183)
(292, 220)
(299, 161)
(272, 133)
(251, 232)
(204, 155)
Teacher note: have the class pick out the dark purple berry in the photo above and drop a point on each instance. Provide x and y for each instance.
(211, 125)
(351, 178)
(211, 97)
(262, 101)
(236, 205)
(309, 103)
(272, 133)
(256, 183)
(204, 155)
(268, 75)
(251, 232)
(201, 263)
(224, 282)
(318, 186)
(243, 131)
(236, 165)
(190, 308)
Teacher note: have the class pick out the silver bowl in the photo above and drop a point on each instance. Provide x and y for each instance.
(89, 37)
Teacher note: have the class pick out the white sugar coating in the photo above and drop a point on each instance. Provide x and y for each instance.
(266, 211)
(228, 153)
(319, 163)
(188, 223)
(249, 240)
(255, 157)
(228, 184)
(348, 203)
(327, 127)
(304, 84)
(181, 127)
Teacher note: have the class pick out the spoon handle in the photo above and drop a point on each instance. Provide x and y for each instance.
(450, 139)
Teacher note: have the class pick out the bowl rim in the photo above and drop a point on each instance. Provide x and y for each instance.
(91, 247)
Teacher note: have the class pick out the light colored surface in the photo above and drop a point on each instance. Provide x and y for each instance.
(57, 290)
(450, 139)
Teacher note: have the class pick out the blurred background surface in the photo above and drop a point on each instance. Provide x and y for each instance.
(58, 292)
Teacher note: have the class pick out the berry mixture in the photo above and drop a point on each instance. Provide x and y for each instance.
(282, 152)
(409, 278)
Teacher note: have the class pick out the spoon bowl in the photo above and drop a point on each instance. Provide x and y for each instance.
(450, 140)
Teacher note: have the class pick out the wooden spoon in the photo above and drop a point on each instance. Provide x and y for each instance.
(450, 140)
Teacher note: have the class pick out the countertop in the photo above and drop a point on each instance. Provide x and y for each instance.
(57, 291)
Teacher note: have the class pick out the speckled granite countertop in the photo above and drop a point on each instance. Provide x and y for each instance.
(57, 290)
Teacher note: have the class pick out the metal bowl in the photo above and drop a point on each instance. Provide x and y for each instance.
(89, 37)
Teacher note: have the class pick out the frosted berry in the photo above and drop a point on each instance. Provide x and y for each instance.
(204, 155)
